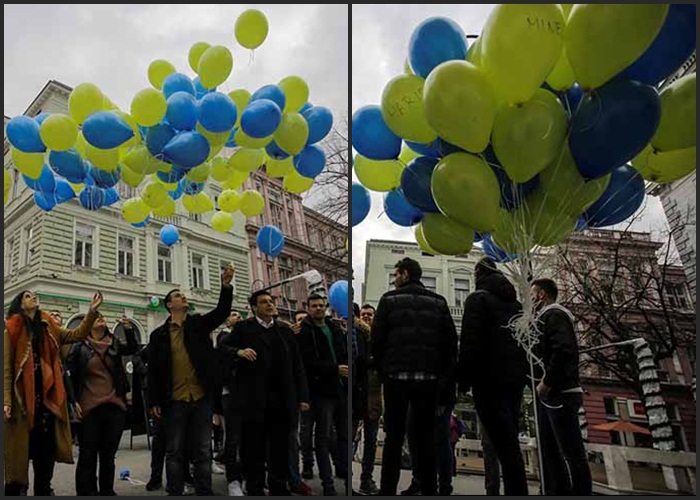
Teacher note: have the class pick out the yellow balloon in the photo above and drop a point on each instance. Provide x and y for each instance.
(154, 194)
(148, 107)
(214, 66)
(246, 160)
(167, 209)
(665, 166)
(77, 188)
(84, 100)
(445, 235)
(678, 116)
(296, 92)
(220, 170)
(214, 138)
(420, 239)
(136, 138)
(236, 180)
(81, 144)
(7, 185)
(402, 109)
(514, 72)
(407, 154)
(199, 203)
(214, 151)
(104, 159)
(139, 160)
(549, 227)
(195, 54)
(158, 71)
(107, 104)
(382, 175)
(292, 133)
(169, 186)
(222, 222)
(603, 39)
(562, 76)
(251, 203)
(251, 29)
(296, 184)
(407, 67)
(135, 210)
(131, 178)
(460, 105)
(241, 97)
(474, 52)
(200, 173)
(246, 141)
(229, 200)
(29, 164)
(59, 132)
(278, 168)
(566, 9)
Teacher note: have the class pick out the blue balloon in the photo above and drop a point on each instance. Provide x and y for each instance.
(190, 187)
(399, 210)
(144, 223)
(176, 174)
(92, 198)
(169, 235)
(158, 136)
(46, 183)
(431, 150)
(23, 134)
(310, 162)
(261, 118)
(270, 240)
(612, 125)
(673, 45)
(622, 198)
(45, 201)
(199, 88)
(320, 121)
(63, 192)
(478, 237)
(177, 82)
(106, 130)
(41, 117)
(361, 203)
(68, 164)
(231, 142)
(274, 151)
(217, 112)
(434, 41)
(371, 136)
(273, 93)
(571, 98)
(339, 298)
(305, 107)
(415, 184)
(182, 111)
(493, 252)
(111, 197)
(187, 149)
(581, 224)
(176, 194)
(104, 179)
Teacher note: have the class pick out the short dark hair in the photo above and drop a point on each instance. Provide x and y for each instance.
(548, 286)
(316, 296)
(412, 267)
(253, 300)
(369, 306)
(485, 266)
(168, 296)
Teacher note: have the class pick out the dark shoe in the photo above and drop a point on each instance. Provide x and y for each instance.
(445, 491)
(413, 490)
(154, 485)
(330, 492)
(307, 473)
(302, 489)
(369, 488)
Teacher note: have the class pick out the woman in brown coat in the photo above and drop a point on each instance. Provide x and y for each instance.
(37, 425)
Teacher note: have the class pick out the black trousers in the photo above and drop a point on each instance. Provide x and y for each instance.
(42, 453)
(266, 438)
(232, 443)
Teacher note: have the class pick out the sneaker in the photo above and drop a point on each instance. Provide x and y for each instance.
(413, 490)
(234, 489)
(302, 489)
(369, 488)
(188, 490)
(307, 473)
(154, 485)
(216, 469)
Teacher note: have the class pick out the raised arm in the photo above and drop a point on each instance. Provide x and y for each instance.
(213, 319)
(131, 346)
(76, 335)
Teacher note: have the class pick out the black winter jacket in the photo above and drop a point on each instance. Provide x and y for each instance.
(321, 371)
(490, 358)
(558, 348)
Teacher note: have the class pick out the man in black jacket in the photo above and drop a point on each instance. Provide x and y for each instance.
(183, 376)
(415, 350)
(494, 366)
(560, 395)
(324, 348)
(267, 384)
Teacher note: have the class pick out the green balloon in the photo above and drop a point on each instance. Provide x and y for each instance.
(474, 53)
(460, 105)
(665, 166)
(466, 190)
(292, 133)
(512, 233)
(378, 175)
(527, 137)
(678, 116)
(420, 239)
(402, 109)
(549, 227)
(601, 40)
(446, 236)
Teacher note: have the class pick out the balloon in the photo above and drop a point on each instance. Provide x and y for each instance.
(105, 130)
(169, 235)
(420, 239)
(143, 223)
(176, 174)
(103, 159)
(92, 198)
(612, 126)
(527, 137)
(29, 164)
(187, 149)
(512, 193)
(58, 132)
(46, 182)
(382, 175)
(261, 118)
(296, 92)
(603, 39)
(241, 98)
(371, 137)
(104, 179)
(548, 228)
(244, 140)
(361, 203)
(84, 100)
(246, 160)
(67, 164)
(135, 210)
(434, 41)
(466, 190)
(229, 200)
(63, 191)
(275, 152)
(24, 134)
(154, 194)
(306, 107)
(190, 187)
(252, 203)
(474, 52)
(217, 112)
(131, 178)
(514, 70)
(182, 111)
(460, 105)
(270, 241)
(399, 210)
(273, 93)
(251, 29)
(7, 185)
(200, 173)
(562, 76)
(339, 298)
(320, 122)
(111, 196)
(670, 49)
(493, 252)
(195, 54)
(622, 198)
(159, 135)
(197, 204)
(141, 161)
(292, 134)
(236, 180)
(214, 138)
(415, 150)
(678, 118)
(41, 117)
(279, 168)
(158, 71)
(415, 184)
(215, 66)
(407, 154)
(45, 201)
(402, 109)
(148, 107)
(199, 88)
(129, 120)
(445, 235)
(167, 209)
(295, 183)
(222, 222)
(177, 82)
(176, 193)
(665, 166)
(310, 162)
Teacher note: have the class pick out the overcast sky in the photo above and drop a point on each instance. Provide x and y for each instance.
(380, 36)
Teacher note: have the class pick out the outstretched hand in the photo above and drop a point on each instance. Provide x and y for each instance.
(97, 300)
(227, 275)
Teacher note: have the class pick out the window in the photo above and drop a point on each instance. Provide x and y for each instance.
(430, 283)
(287, 288)
(270, 272)
(125, 256)
(276, 215)
(125, 191)
(274, 194)
(197, 271)
(461, 292)
(677, 296)
(9, 250)
(391, 281)
(84, 245)
(610, 406)
(292, 224)
(165, 264)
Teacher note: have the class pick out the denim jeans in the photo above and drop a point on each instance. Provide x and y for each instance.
(330, 413)
(306, 439)
(370, 428)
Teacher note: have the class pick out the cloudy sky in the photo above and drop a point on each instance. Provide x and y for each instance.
(112, 46)
(380, 36)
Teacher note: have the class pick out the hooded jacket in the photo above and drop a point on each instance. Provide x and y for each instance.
(558, 348)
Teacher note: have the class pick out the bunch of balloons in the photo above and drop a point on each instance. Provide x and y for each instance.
(550, 121)
(178, 135)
